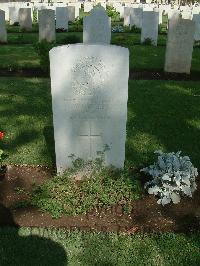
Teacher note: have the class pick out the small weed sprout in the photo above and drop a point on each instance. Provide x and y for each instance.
(84, 169)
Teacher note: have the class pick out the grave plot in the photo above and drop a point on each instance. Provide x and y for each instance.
(161, 114)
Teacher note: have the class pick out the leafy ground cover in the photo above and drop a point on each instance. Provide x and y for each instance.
(161, 115)
(60, 247)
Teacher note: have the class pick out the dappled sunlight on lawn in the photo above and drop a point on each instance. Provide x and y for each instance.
(160, 111)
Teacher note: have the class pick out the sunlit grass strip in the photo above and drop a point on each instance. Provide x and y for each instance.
(49, 246)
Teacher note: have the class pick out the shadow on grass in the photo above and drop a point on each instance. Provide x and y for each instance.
(29, 250)
(26, 116)
(162, 115)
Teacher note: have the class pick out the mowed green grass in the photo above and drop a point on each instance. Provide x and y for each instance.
(161, 115)
(31, 37)
(142, 57)
(18, 56)
(39, 246)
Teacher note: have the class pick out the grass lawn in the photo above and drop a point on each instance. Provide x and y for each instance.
(164, 115)
(18, 56)
(141, 57)
(161, 114)
(39, 246)
(31, 37)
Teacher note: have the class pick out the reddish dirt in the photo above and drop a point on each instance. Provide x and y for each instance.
(146, 215)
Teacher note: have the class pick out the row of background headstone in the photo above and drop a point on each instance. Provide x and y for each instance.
(169, 9)
(97, 29)
(148, 21)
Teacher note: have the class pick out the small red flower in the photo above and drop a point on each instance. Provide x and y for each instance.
(2, 135)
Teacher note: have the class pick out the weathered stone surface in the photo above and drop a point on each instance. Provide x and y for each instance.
(13, 15)
(25, 20)
(196, 19)
(46, 18)
(71, 13)
(173, 14)
(186, 15)
(62, 18)
(179, 46)
(136, 17)
(97, 27)
(3, 32)
(127, 12)
(89, 85)
(88, 6)
(150, 23)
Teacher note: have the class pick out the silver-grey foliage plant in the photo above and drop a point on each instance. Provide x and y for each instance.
(173, 176)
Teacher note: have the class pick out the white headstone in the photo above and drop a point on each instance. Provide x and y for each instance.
(136, 17)
(3, 32)
(4, 7)
(97, 27)
(186, 15)
(46, 19)
(173, 14)
(196, 19)
(150, 22)
(62, 18)
(71, 13)
(179, 46)
(13, 15)
(25, 20)
(160, 11)
(119, 8)
(89, 86)
(127, 12)
(77, 7)
(88, 6)
(103, 4)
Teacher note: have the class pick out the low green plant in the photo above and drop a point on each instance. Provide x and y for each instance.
(19, 190)
(42, 48)
(77, 25)
(134, 29)
(111, 12)
(85, 186)
(16, 24)
(35, 15)
(21, 204)
(173, 176)
(79, 21)
(147, 41)
(70, 39)
(61, 30)
(117, 28)
(160, 28)
(197, 44)
(20, 38)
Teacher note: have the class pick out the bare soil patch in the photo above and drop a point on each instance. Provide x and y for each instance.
(146, 214)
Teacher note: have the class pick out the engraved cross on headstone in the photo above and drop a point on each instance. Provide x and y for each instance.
(91, 138)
